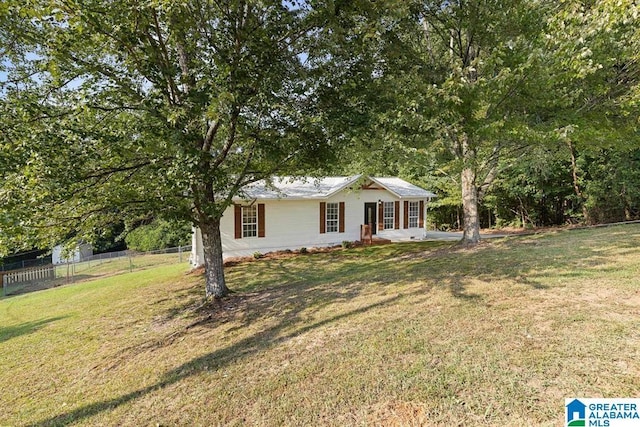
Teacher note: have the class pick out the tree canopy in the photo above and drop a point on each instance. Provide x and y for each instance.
(121, 110)
(115, 110)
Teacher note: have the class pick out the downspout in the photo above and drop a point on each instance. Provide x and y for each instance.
(196, 248)
(424, 216)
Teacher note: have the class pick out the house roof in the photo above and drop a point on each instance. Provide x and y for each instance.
(322, 188)
(402, 188)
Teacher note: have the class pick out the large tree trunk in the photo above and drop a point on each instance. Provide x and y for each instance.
(471, 232)
(214, 269)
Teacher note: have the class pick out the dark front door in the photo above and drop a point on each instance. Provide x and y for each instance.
(370, 215)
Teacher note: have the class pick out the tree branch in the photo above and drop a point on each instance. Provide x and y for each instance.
(212, 130)
(164, 59)
(231, 138)
(111, 171)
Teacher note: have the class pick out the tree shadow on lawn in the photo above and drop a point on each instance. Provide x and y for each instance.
(9, 332)
(267, 288)
(326, 278)
(537, 264)
(275, 287)
(246, 347)
(289, 301)
(534, 262)
(291, 292)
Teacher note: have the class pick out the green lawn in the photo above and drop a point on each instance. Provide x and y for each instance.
(406, 334)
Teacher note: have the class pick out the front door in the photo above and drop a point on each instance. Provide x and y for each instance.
(370, 214)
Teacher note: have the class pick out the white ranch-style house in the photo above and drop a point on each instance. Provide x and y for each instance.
(291, 213)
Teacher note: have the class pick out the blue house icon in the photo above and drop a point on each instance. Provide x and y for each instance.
(575, 408)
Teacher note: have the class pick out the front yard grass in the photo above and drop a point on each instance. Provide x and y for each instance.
(407, 334)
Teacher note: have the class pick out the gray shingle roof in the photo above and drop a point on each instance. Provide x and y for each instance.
(322, 188)
(402, 188)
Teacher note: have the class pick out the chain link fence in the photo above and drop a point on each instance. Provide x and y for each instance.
(27, 263)
(37, 277)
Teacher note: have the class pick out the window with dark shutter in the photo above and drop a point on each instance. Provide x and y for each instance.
(248, 221)
(333, 218)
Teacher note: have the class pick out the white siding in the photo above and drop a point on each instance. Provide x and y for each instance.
(289, 224)
(292, 224)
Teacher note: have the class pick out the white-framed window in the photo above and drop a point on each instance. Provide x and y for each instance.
(388, 215)
(332, 217)
(414, 214)
(250, 221)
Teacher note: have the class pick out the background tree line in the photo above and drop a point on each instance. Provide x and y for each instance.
(537, 190)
